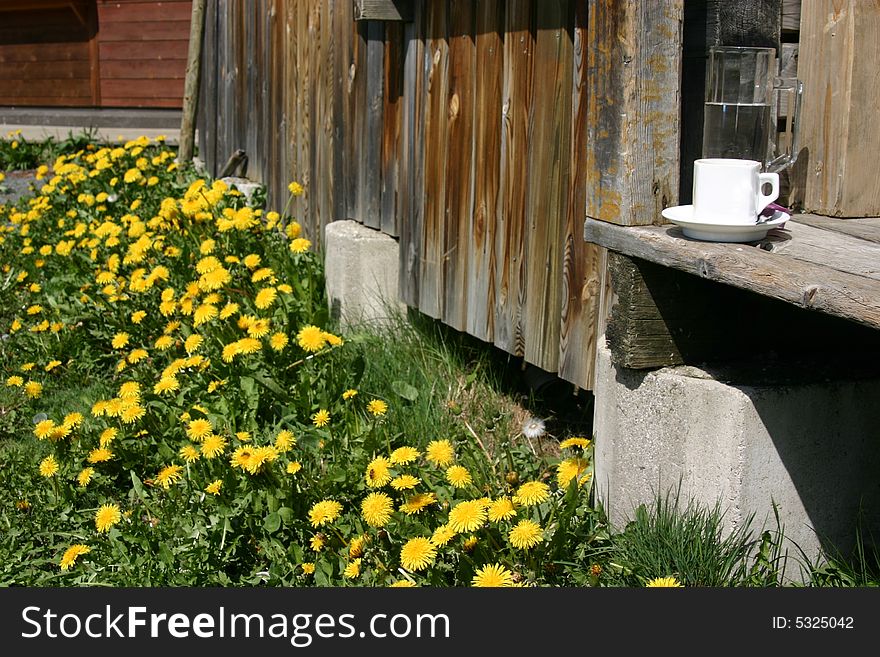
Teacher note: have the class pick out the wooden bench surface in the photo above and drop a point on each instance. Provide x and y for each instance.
(827, 264)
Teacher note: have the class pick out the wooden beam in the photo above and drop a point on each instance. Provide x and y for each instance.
(663, 317)
(191, 85)
(383, 10)
(634, 56)
(787, 276)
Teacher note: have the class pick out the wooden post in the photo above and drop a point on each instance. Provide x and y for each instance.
(191, 84)
(838, 62)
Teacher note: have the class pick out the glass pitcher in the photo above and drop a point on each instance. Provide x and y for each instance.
(743, 95)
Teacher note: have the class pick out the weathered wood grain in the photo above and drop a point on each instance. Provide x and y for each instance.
(412, 166)
(780, 276)
(632, 157)
(369, 172)
(392, 124)
(839, 57)
(580, 260)
(548, 178)
(485, 170)
(867, 228)
(460, 160)
(510, 239)
(431, 282)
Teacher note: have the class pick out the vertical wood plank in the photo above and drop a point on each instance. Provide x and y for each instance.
(581, 276)
(355, 115)
(369, 179)
(517, 101)
(302, 102)
(632, 157)
(548, 177)
(838, 60)
(209, 101)
(431, 284)
(94, 55)
(340, 25)
(459, 164)
(392, 114)
(410, 209)
(486, 167)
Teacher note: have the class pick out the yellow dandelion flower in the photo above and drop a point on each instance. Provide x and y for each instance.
(199, 428)
(44, 429)
(33, 389)
(376, 509)
(71, 554)
(137, 355)
(132, 414)
(467, 516)
(402, 584)
(214, 487)
(296, 189)
(228, 310)
(284, 441)
(73, 420)
(99, 455)
(278, 341)
(664, 582)
(440, 452)
(568, 469)
(259, 457)
(15, 381)
(377, 407)
(168, 475)
(531, 493)
(85, 476)
(107, 516)
(526, 534)
(163, 342)
(249, 345)
(213, 445)
(293, 467)
(252, 261)
(378, 472)
(348, 394)
(107, 436)
(138, 316)
(321, 418)
(205, 313)
(166, 384)
(189, 453)
(501, 509)
(265, 297)
(417, 553)
(51, 365)
(582, 443)
(120, 340)
(352, 569)
(310, 338)
(49, 467)
(403, 455)
(356, 547)
(324, 512)
(405, 482)
(332, 340)
(458, 476)
(241, 457)
(416, 503)
(493, 575)
(442, 535)
(230, 351)
(307, 567)
(300, 245)
(193, 342)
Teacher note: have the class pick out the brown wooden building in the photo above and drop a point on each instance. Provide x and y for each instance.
(93, 53)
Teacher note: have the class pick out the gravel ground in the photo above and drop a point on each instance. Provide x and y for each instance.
(15, 186)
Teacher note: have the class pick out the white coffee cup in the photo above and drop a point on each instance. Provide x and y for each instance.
(730, 191)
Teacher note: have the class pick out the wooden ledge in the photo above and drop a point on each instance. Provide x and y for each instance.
(813, 263)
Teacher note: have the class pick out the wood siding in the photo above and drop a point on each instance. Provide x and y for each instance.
(98, 53)
(465, 132)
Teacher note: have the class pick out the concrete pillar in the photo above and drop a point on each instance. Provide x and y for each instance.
(361, 269)
(744, 436)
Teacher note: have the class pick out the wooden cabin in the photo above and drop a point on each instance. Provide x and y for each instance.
(93, 53)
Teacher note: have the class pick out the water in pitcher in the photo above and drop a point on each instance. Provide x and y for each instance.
(736, 131)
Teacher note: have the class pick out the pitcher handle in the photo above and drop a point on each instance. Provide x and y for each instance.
(795, 88)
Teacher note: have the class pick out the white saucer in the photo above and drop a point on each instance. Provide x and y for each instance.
(682, 215)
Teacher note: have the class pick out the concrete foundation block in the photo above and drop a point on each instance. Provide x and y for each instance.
(247, 187)
(361, 268)
(745, 437)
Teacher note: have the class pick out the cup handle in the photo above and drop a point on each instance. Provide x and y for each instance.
(762, 200)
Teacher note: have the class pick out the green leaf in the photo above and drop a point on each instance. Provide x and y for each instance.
(286, 514)
(272, 522)
(405, 390)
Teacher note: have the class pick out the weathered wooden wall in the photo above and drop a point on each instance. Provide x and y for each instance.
(480, 133)
(142, 47)
(98, 53)
(46, 53)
